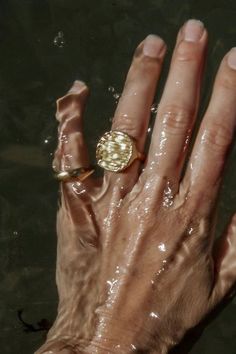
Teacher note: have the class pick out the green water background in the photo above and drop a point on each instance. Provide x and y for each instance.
(99, 40)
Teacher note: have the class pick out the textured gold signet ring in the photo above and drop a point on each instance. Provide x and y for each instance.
(116, 151)
(77, 174)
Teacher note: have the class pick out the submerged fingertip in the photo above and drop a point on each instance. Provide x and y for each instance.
(78, 86)
(231, 58)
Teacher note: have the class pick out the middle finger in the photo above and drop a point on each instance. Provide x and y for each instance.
(179, 103)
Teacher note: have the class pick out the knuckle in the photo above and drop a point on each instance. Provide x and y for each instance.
(217, 137)
(176, 120)
(227, 81)
(70, 105)
(126, 125)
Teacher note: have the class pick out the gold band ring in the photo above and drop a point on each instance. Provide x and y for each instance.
(77, 174)
(116, 151)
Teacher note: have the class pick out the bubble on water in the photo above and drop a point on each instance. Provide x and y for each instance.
(47, 140)
(111, 89)
(15, 234)
(116, 95)
(59, 40)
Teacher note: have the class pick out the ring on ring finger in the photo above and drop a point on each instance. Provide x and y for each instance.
(116, 151)
(77, 174)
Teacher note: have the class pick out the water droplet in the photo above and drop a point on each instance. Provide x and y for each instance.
(162, 247)
(168, 197)
(190, 231)
(63, 138)
(115, 94)
(163, 140)
(59, 40)
(154, 108)
(76, 187)
(15, 234)
(111, 89)
(111, 284)
(204, 137)
(154, 315)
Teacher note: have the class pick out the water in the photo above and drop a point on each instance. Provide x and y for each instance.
(95, 44)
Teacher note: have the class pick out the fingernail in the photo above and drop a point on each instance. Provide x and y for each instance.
(193, 30)
(232, 58)
(153, 46)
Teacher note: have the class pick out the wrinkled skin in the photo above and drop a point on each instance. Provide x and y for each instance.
(137, 264)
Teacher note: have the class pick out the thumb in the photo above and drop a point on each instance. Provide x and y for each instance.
(72, 150)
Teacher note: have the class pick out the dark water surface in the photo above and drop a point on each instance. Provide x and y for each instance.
(44, 46)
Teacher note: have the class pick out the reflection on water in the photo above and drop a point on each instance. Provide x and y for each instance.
(45, 46)
(59, 40)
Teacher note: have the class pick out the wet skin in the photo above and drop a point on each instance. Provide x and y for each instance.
(137, 264)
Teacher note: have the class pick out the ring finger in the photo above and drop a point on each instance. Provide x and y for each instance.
(179, 103)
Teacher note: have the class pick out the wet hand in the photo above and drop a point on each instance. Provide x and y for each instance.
(137, 262)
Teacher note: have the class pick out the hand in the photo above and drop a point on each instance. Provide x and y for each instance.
(137, 261)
